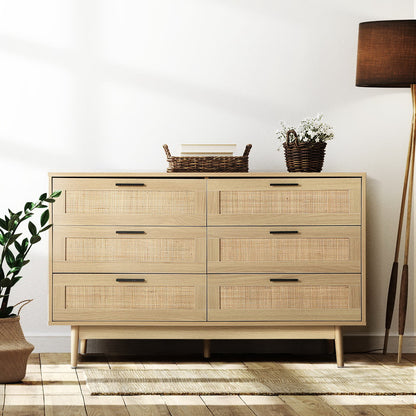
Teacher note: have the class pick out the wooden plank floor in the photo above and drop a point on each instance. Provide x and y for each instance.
(52, 388)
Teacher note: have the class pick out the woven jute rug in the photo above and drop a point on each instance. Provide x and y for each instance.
(354, 381)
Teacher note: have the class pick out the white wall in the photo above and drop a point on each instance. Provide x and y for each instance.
(100, 86)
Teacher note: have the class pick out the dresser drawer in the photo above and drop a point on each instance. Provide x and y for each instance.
(313, 297)
(284, 201)
(325, 249)
(141, 201)
(128, 297)
(105, 249)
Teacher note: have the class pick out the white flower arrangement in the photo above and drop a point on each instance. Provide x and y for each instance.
(310, 130)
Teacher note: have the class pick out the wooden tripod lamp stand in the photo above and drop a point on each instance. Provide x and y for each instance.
(387, 58)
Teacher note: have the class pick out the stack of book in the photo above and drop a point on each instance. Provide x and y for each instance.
(221, 149)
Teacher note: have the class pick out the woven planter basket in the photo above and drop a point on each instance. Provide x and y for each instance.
(303, 157)
(208, 163)
(14, 350)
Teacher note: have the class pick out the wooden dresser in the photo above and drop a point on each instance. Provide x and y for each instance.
(207, 256)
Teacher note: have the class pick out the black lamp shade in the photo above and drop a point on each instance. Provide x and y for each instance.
(386, 54)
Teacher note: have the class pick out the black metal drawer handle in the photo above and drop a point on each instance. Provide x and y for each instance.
(284, 184)
(284, 232)
(131, 280)
(130, 232)
(284, 280)
(130, 184)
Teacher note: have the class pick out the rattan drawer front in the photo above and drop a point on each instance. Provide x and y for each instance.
(314, 297)
(129, 249)
(103, 201)
(284, 201)
(128, 297)
(326, 249)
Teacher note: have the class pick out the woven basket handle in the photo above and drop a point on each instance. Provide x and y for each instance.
(24, 302)
(165, 146)
(289, 132)
(247, 150)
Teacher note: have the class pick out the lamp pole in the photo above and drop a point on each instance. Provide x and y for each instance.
(405, 273)
(395, 268)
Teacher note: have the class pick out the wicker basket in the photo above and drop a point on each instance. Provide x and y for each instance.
(14, 350)
(208, 163)
(303, 157)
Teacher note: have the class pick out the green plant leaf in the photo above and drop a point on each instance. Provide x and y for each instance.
(14, 280)
(43, 197)
(50, 200)
(15, 217)
(44, 218)
(13, 238)
(32, 228)
(28, 206)
(3, 224)
(10, 259)
(42, 206)
(7, 312)
(18, 246)
(10, 224)
(35, 239)
(5, 282)
(6, 219)
(45, 228)
(56, 194)
(2, 239)
(25, 243)
(13, 270)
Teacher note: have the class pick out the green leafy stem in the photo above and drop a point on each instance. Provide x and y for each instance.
(15, 246)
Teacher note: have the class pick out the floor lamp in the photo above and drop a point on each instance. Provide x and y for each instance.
(386, 57)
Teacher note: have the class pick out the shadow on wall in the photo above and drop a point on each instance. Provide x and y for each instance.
(296, 68)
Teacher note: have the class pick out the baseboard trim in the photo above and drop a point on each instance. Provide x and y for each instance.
(352, 344)
(365, 343)
(50, 343)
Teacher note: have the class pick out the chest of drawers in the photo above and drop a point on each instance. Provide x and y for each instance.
(207, 256)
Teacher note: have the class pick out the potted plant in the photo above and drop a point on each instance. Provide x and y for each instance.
(305, 145)
(14, 248)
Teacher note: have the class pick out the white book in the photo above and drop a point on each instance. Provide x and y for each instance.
(208, 147)
(206, 153)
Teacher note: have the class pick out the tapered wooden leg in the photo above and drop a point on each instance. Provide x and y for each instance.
(339, 349)
(74, 345)
(402, 309)
(386, 340)
(399, 353)
(83, 346)
(330, 347)
(392, 289)
(207, 348)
